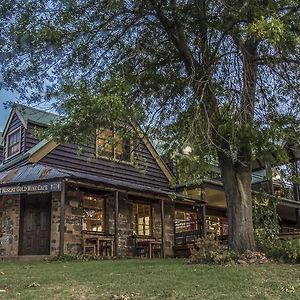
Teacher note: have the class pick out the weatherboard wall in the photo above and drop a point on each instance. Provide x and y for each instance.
(145, 170)
(14, 124)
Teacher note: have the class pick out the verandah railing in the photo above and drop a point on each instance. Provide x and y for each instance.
(186, 232)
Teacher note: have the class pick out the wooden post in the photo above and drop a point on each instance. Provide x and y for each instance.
(296, 193)
(269, 176)
(62, 219)
(162, 215)
(116, 223)
(203, 213)
(295, 184)
(298, 218)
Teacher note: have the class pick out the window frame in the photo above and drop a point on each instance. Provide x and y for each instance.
(7, 156)
(135, 225)
(113, 154)
(98, 197)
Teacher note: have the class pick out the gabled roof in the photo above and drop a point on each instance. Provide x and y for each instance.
(43, 118)
(36, 115)
(33, 155)
(28, 114)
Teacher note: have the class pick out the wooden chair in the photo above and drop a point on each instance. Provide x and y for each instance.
(90, 245)
(140, 249)
(156, 249)
(106, 247)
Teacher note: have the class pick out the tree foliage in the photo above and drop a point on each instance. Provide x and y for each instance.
(219, 76)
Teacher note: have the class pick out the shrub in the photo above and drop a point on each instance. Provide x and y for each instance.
(209, 251)
(287, 251)
(265, 221)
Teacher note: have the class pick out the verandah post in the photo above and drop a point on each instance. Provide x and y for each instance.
(162, 215)
(116, 196)
(203, 213)
(296, 193)
(62, 218)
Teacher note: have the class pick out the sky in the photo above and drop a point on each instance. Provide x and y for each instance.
(4, 113)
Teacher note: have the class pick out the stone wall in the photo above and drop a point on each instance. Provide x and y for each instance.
(55, 226)
(168, 222)
(10, 219)
(125, 226)
(169, 228)
(10, 207)
(73, 223)
(10, 210)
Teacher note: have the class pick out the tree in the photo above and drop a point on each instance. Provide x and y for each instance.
(219, 76)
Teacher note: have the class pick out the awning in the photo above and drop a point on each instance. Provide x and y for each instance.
(30, 173)
(30, 179)
(27, 178)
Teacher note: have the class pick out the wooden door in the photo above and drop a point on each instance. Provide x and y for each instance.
(35, 225)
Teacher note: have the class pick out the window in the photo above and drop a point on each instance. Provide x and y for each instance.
(142, 219)
(105, 142)
(93, 213)
(216, 225)
(186, 221)
(13, 143)
(110, 144)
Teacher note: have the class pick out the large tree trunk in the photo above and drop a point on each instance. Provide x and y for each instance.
(237, 186)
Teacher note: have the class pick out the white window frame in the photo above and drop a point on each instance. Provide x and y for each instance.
(7, 142)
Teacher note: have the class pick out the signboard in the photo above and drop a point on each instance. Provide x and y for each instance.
(45, 187)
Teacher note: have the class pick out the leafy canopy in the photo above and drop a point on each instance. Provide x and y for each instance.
(176, 65)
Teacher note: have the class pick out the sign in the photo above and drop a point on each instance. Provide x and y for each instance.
(31, 188)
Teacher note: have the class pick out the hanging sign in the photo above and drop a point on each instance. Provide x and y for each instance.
(31, 188)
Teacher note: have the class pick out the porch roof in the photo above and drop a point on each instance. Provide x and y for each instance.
(29, 173)
(35, 173)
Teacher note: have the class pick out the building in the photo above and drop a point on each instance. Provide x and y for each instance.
(55, 200)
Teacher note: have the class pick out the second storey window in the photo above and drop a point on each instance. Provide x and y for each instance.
(112, 145)
(142, 219)
(13, 143)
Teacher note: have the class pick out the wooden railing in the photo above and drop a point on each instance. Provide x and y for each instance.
(289, 233)
(186, 232)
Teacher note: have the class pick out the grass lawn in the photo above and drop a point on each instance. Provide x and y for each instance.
(146, 279)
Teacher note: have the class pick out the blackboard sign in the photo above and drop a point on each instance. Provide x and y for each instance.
(31, 188)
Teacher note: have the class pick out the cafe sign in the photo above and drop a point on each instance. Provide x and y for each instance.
(31, 188)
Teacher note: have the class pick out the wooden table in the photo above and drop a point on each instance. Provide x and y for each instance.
(148, 244)
(102, 244)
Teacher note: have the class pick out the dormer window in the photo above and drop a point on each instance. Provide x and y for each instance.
(112, 145)
(13, 143)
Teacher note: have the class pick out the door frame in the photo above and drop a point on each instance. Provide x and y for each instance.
(23, 198)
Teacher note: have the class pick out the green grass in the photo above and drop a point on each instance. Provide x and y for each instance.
(147, 279)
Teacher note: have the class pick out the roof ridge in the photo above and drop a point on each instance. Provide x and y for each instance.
(35, 108)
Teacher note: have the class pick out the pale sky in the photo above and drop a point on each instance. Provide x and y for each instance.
(4, 97)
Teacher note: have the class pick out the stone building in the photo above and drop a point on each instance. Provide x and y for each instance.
(55, 201)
